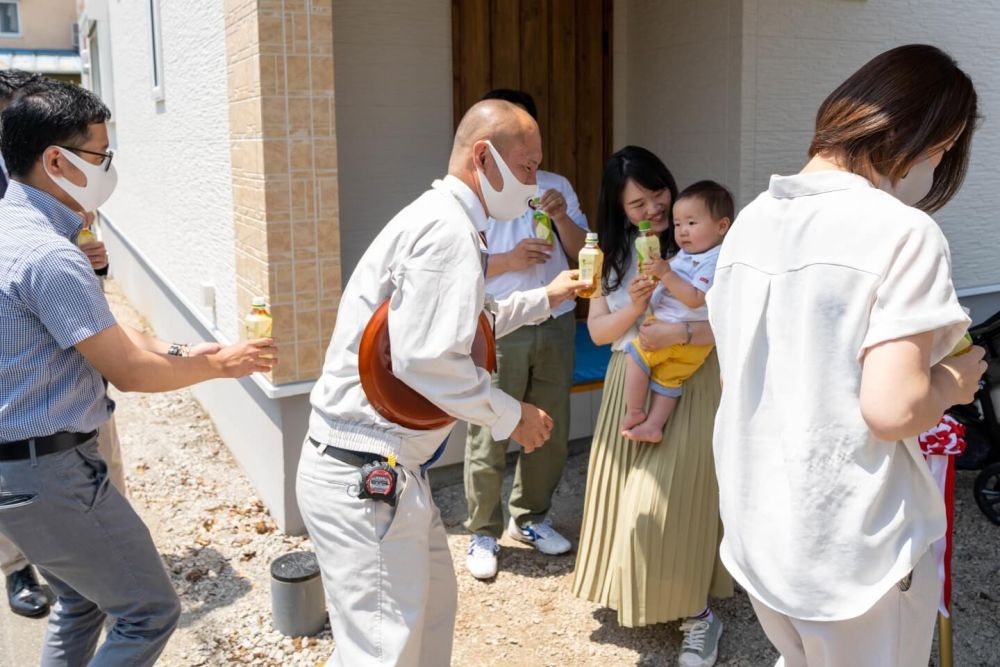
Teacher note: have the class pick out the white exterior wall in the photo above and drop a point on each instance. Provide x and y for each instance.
(174, 196)
(795, 52)
(392, 63)
(677, 91)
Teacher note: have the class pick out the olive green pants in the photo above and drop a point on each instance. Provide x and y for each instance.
(534, 365)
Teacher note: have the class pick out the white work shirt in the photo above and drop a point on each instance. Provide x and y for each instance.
(619, 299)
(820, 517)
(504, 235)
(699, 271)
(427, 263)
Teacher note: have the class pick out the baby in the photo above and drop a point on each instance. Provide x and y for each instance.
(703, 213)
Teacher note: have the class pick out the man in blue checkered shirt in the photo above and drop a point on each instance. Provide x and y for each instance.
(57, 339)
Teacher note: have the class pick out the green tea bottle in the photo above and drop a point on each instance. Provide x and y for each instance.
(542, 222)
(591, 263)
(258, 323)
(647, 245)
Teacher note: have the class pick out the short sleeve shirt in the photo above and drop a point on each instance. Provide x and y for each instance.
(50, 300)
(820, 517)
(699, 271)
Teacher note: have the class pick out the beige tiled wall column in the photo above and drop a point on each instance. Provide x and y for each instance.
(284, 162)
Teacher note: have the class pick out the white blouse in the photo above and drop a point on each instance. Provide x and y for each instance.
(821, 518)
(619, 299)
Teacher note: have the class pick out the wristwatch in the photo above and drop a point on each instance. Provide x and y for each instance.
(182, 349)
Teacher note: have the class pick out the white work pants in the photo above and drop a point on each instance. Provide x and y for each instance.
(896, 632)
(389, 580)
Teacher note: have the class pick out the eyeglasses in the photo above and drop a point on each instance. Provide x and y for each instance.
(108, 157)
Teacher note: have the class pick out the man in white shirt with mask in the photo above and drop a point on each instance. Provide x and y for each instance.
(386, 567)
(535, 364)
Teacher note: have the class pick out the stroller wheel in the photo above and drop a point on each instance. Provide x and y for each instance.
(987, 492)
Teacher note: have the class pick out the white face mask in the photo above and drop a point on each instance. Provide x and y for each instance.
(100, 182)
(914, 186)
(510, 202)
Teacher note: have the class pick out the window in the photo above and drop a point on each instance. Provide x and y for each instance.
(10, 21)
(94, 51)
(156, 49)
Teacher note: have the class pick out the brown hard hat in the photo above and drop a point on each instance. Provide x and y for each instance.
(390, 396)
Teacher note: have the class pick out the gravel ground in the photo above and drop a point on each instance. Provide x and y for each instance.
(217, 541)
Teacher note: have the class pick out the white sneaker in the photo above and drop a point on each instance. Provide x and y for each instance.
(700, 647)
(482, 558)
(542, 536)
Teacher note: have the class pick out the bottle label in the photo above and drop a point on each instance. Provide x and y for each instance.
(258, 326)
(591, 261)
(543, 227)
(647, 248)
(588, 265)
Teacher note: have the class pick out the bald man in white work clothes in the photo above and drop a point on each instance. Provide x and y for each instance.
(387, 569)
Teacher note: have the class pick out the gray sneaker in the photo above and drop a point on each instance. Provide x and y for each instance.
(701, 642)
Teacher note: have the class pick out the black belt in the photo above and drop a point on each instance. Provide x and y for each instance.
(348, 456)
(19, 450)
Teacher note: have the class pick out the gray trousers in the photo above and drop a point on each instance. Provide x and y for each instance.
(534, 365)
(11, 558)
(96, 554)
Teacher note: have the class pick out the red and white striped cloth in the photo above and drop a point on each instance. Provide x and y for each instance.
(940, 446)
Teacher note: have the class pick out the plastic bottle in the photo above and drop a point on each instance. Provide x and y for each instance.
(591, 263)
(85, 236)
(962, 346)
(541, 222)
(647, 245)
(258, 323)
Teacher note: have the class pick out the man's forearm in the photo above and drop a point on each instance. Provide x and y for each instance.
(571, 236)
(145, 341)
(158, 372)
(499, 263)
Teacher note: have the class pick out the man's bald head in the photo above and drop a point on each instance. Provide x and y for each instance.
(512, 132)
(500, 122)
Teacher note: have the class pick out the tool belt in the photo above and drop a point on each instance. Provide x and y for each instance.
(379, 478)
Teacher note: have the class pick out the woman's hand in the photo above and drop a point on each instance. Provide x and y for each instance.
(655, 335)
(964, 370)
(639, 291)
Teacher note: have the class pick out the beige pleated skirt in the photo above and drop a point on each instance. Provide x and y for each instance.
(649, 541)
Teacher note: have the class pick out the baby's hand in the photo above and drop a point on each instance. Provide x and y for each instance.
(659, 268)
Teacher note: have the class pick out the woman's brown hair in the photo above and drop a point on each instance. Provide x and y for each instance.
(899, 106)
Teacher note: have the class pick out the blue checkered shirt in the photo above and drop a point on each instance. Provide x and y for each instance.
(50, 300)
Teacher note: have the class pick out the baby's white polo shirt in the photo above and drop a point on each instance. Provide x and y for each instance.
(820, 517)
